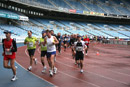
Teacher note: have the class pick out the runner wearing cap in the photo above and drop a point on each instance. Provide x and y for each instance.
(9, 49)
(79, 52)
(43, 50)
(31, 42)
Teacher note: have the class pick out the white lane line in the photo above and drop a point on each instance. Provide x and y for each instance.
(95, 73)
(70, 75)
(35, 74)
(106, 68)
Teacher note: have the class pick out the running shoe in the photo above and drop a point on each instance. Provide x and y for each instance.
(29, 68)
(44, 69)
(51, 73)
(35, 61)
(14, 78)
(81, 70)
(55, 70)
(86, 54)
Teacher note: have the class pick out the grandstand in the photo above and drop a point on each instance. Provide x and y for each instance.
(20, 20)
(105, 22)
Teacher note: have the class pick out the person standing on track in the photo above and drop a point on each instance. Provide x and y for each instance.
(59, 38)
(31, 42)
(43, 50)
(51, 41)
(79, 52)
(9, 49)
(87, 41)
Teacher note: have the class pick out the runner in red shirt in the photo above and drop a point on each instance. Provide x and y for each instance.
(9, 49)
(87, 41)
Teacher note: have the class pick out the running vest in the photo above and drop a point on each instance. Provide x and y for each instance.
(8, 45)
(50, 46)
(43, 48)
(32, 41)
(79, 46)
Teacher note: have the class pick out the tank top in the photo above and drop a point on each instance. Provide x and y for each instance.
(8, 45)
(50, 46)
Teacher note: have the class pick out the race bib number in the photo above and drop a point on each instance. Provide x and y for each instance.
(79, 48)
(8, 53)
(30, 44)
(65, 39)
(86, 41)
(44, 46)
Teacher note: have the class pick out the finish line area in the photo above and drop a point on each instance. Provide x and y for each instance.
(109, 68)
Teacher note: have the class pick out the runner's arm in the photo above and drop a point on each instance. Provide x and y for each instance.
(14, 49)
(45, 42)
(55, 39)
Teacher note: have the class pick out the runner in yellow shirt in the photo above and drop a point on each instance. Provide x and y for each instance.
(43, 50)
(31, 42)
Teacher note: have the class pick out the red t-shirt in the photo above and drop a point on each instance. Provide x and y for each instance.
(8, 45)
(86, 40)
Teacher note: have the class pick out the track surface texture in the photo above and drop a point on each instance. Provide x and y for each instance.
(110, 68)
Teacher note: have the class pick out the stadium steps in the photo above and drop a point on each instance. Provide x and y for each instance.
(101, 7)
(104, 32)
(125, 3)
(68, 4)
(26, 29)
(11, 32)
(40, 22)
(123, 34)
(84, 28)
(64, 25)
(85, 6)
(53, 3)
(118, 10)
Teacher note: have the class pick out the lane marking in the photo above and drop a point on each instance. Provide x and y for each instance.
(70, 75)
(95, 74)
(35, 74)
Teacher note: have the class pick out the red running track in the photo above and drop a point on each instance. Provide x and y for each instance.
(111, 68)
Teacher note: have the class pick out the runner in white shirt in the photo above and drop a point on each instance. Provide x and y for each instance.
(51, 41)
(79, 47)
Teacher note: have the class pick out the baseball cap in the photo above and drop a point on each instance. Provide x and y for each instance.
(6, 32)
(43, 31)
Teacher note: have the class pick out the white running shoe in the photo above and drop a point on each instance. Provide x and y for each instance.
(29, 68)
(55, 70)
(51, 73)
(35, 61)
(44, 69)
(81, 70)
(14, 78)
(86, 54)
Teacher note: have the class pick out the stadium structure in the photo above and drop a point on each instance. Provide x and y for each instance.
(107, 18)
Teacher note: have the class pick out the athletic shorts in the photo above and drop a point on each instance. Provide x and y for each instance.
(79, 56)
(7, 58)
(87, 46)
(31, 52)
(50, 53)
(43, 53)
(65, 42)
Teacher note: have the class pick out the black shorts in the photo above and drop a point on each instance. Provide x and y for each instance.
(65, 42)
(31, 52)
(43, 53)
(79, 56)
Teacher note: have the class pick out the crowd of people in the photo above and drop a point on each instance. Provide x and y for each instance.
(48, 43)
